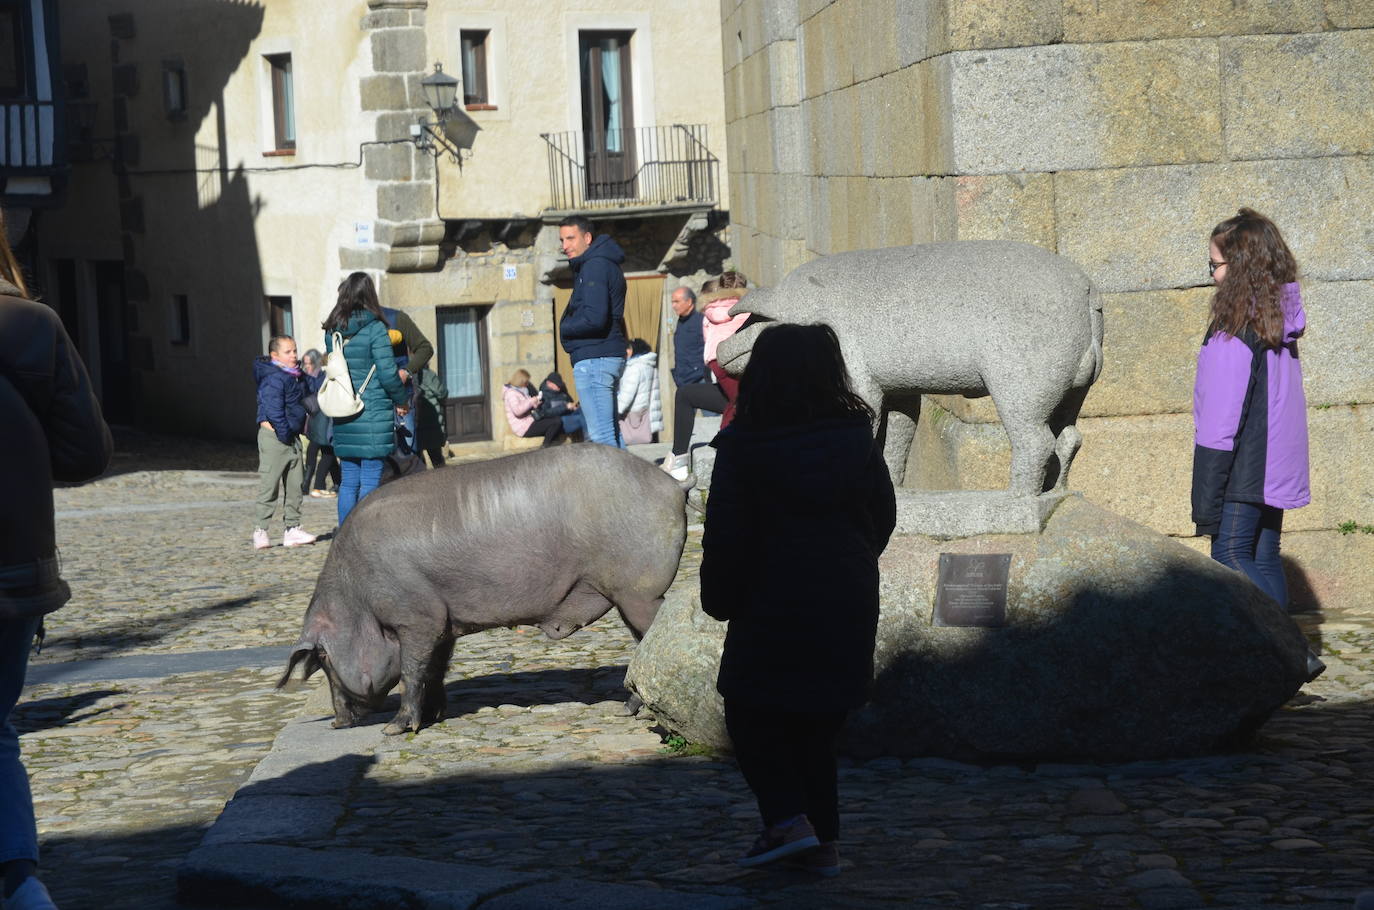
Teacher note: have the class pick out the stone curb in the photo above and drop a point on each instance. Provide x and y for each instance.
(299, 789)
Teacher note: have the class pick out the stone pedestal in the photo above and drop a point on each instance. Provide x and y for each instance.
(1120, 644)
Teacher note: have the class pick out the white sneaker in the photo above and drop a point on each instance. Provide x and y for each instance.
(260, 540)
(30, 896)
(677, 466)
(295, 537)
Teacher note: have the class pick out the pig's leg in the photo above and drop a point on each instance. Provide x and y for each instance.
(435, 697)
(1067, 438)
(639, 615)
(1032, 445)
(419, 651)
(902, 416)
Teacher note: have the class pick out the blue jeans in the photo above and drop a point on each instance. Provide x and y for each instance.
(357, 478)
(573, 422)
(1248, 541)
(406, 439)
(596, 379)
(18, 833)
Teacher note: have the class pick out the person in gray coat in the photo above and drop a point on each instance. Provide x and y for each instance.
(53, 431)
(362, 442)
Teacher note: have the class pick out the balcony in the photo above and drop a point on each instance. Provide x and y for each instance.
(652, 167)
(28, 138)
(31, 153)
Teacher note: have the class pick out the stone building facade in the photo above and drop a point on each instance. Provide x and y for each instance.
(1114, 132)
(239, 157)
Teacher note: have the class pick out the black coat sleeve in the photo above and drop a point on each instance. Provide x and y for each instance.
(724, 565)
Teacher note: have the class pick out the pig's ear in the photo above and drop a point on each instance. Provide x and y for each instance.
(304, 651)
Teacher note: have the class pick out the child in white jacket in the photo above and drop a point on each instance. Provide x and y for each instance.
(637, 403)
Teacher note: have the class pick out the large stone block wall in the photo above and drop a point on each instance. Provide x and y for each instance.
(1115, 132)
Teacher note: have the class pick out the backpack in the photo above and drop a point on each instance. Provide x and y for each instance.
(336, 397)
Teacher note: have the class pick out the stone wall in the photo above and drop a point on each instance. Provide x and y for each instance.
(1115, 132)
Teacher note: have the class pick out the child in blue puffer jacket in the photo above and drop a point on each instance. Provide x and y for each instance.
(281, 417)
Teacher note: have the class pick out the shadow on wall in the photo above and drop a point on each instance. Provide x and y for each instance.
(186, 216)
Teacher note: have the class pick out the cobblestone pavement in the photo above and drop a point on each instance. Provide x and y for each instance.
(538, 768)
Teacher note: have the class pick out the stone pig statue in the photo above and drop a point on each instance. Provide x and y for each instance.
(552, 538)
(972, 318)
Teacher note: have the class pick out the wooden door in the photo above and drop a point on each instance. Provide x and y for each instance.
(608, 131)
(464, 368)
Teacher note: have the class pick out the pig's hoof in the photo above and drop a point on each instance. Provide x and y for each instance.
(339, 724)
(394, 729)
(633, 704)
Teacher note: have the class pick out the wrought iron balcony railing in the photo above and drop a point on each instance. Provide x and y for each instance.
(646, 166)
(29, 138)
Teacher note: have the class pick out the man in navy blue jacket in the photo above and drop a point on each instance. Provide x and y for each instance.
(689, 344)
(592, 329)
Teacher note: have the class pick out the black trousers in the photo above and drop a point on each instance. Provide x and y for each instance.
(704, 395)
(327, 467)
(551, 428)
(788, 760)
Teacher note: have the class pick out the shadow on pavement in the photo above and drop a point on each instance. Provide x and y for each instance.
(114, 638)
(60, 711)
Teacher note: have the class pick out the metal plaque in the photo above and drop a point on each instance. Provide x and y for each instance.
(972, 589)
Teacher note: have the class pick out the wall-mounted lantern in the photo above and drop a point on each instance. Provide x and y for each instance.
(436, 136)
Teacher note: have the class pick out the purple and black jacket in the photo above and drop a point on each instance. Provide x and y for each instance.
(1250, 421)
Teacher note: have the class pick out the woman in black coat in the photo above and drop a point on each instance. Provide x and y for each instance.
(801, 506)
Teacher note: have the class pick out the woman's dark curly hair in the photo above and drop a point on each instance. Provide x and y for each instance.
(1258, 265)
(356, 292)
(796, 374)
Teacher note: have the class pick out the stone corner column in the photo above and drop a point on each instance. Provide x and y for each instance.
(407, 229)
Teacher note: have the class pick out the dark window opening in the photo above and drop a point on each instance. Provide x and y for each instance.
(174, 89)
(181, 319)
(14, 50)
(475, 67)
(283, 103)
(279, 321)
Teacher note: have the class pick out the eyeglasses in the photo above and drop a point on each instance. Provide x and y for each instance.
(1212, 266)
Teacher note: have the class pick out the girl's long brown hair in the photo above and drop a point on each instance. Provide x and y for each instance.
(1258, 265)
(356, 292)
(9, 265)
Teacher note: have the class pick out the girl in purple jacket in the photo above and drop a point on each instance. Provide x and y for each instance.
(1249, 413)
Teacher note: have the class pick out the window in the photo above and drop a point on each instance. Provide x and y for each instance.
(475, 94)
(181, 319)
(279, 320)
(13, 51)
(283, 103)
(174, 89)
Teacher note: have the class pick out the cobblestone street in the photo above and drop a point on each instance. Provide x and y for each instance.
(537, 771)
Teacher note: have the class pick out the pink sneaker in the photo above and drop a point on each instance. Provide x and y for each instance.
(295, 537)
(260, 541)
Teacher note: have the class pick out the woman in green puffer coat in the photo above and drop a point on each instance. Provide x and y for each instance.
(362, 442)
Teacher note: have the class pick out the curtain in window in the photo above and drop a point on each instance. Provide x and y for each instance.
(289, 99)
(460, 356)
(610, 86)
